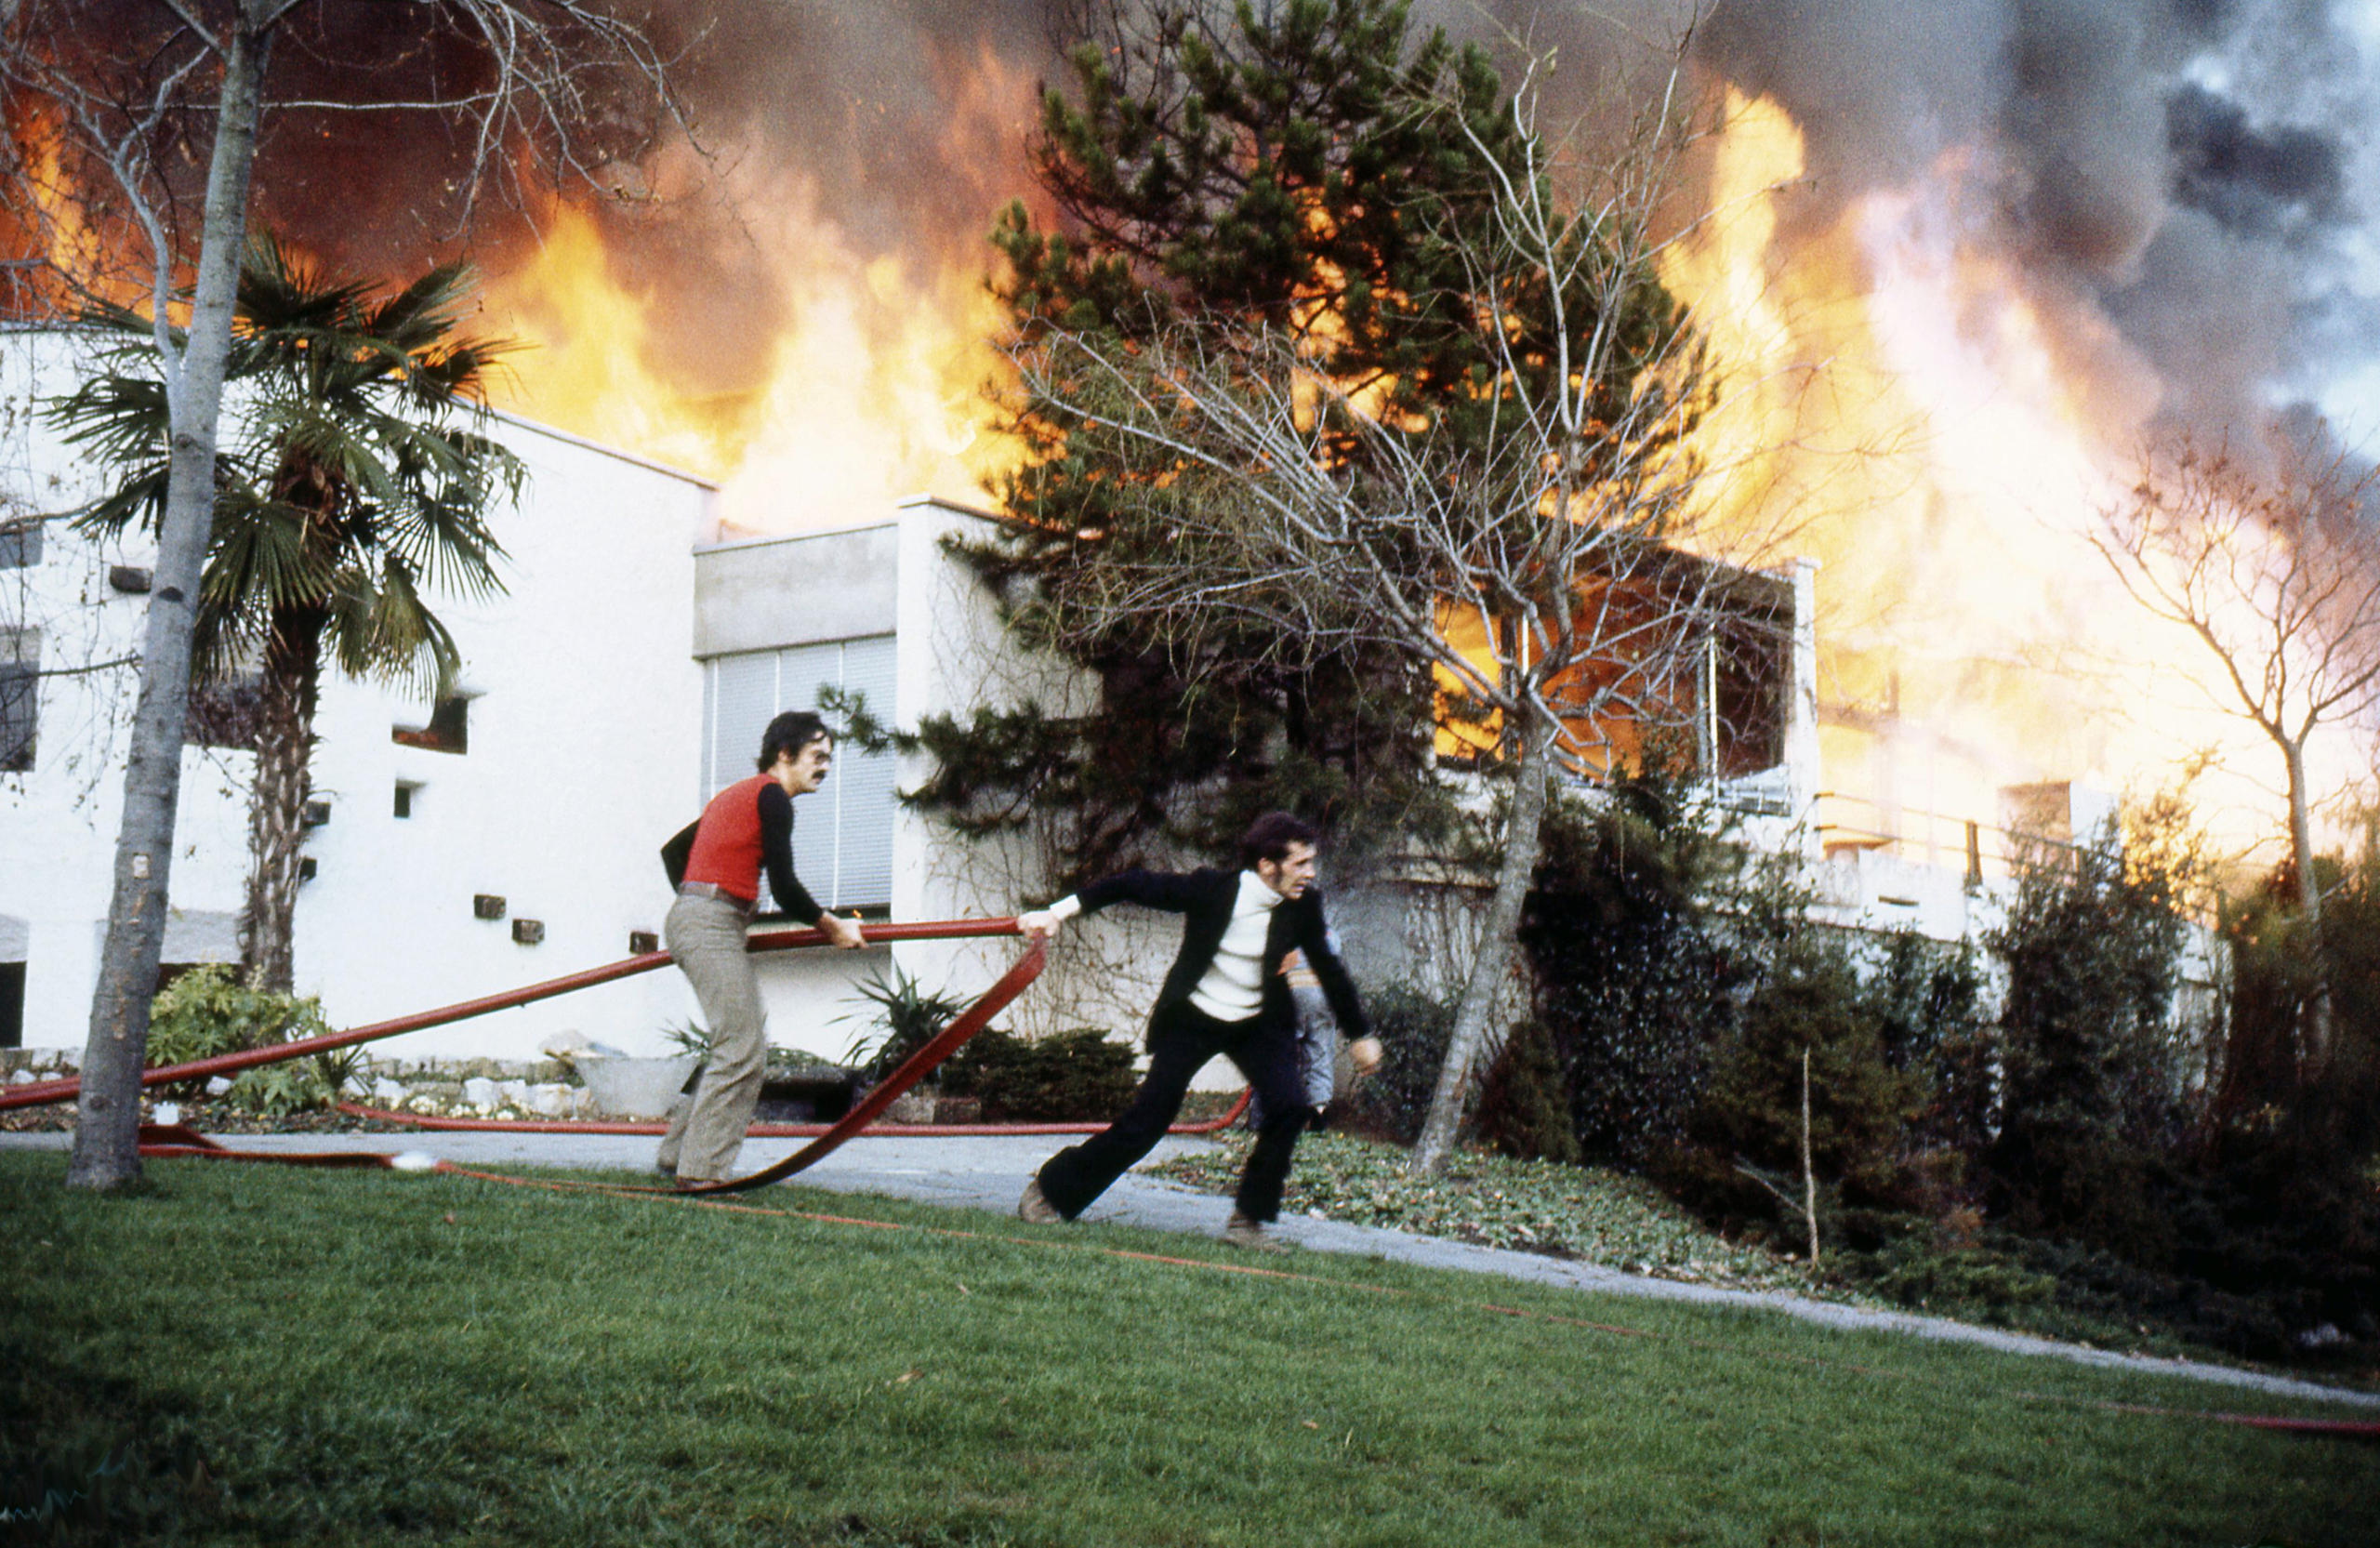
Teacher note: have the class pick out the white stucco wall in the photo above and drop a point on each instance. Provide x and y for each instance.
(581, 761)
(584, 732)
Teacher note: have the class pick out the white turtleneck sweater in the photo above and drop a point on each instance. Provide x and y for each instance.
(1234, 987)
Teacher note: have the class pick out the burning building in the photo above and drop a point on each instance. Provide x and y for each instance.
(1960, 269)
(1959, 265)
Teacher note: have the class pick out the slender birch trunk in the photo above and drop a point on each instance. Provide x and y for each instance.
(1468, 1048)
(2309, 907)
(107, 1150)
(1809, 1171)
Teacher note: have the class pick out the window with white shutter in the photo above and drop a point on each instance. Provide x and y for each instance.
(842, 836)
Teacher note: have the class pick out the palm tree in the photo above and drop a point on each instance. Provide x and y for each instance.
(352, 470)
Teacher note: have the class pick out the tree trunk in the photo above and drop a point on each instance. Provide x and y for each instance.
(107, 1152)
(1497, 941)
(2309, 908)
(292, 669)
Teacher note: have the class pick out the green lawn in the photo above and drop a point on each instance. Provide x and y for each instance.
(269, 1356)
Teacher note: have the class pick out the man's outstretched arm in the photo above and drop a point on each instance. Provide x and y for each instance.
(1363, 1049)
(1167, 891)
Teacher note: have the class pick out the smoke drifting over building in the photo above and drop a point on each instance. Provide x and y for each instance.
(2197, 172)
(895, 128)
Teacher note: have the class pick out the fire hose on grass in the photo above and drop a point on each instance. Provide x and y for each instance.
(182, 1142)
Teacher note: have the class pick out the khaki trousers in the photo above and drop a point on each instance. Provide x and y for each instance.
(706, 939)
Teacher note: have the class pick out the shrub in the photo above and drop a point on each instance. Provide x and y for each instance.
(908, 1018)
(206, 1013)
(2090, 946)
(1413, 1027)
(277, 1090)
(1069, 1077)
(2285, 1215)
(1927, 1001)
(1525, 1102)
(1633, 979)
(1751, 1111)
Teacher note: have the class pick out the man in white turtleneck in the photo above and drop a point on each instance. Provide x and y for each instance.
(1225, 994)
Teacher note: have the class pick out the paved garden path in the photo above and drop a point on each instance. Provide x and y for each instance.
(988, 1172)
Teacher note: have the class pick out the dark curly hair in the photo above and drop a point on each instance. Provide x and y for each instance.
(791, 732)
(1270, 835)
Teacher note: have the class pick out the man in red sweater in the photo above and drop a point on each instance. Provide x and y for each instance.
(747, 827)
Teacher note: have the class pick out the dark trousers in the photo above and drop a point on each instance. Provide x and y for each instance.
(1182, 1037)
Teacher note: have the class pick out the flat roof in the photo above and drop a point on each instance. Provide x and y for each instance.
(864, 523)
(563, 436)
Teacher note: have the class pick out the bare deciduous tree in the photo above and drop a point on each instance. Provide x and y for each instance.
(1523, 544)
(112, 105)
(2274, 574)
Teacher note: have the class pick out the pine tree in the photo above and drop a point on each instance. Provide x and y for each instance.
(1266, 163)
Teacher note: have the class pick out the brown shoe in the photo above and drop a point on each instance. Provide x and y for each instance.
(1035, 1207)
(1240, 1231)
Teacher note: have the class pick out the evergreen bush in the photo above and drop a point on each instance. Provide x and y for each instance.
(1926, 998)
(1634, 981)
(1413, 1026)
(1525, 1102)
(2285, 1213)
(2090, 945)
(1860, 1104)
(1078, 1076)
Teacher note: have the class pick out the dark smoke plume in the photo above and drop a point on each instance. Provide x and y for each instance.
(2192, 170)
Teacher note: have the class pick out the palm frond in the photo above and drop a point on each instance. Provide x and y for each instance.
(379, 627)
(261, 559)
(354, 468)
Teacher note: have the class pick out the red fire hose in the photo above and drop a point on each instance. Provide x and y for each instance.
(43, 1092)
(762, 1130)
(915, 1067)
(179, 1142)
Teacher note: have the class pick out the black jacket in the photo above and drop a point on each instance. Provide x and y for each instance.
(1204, 898)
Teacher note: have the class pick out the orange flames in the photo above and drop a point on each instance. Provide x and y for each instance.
(64, 246)
(1899, 404)
(872, 389)
(1902, 404)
